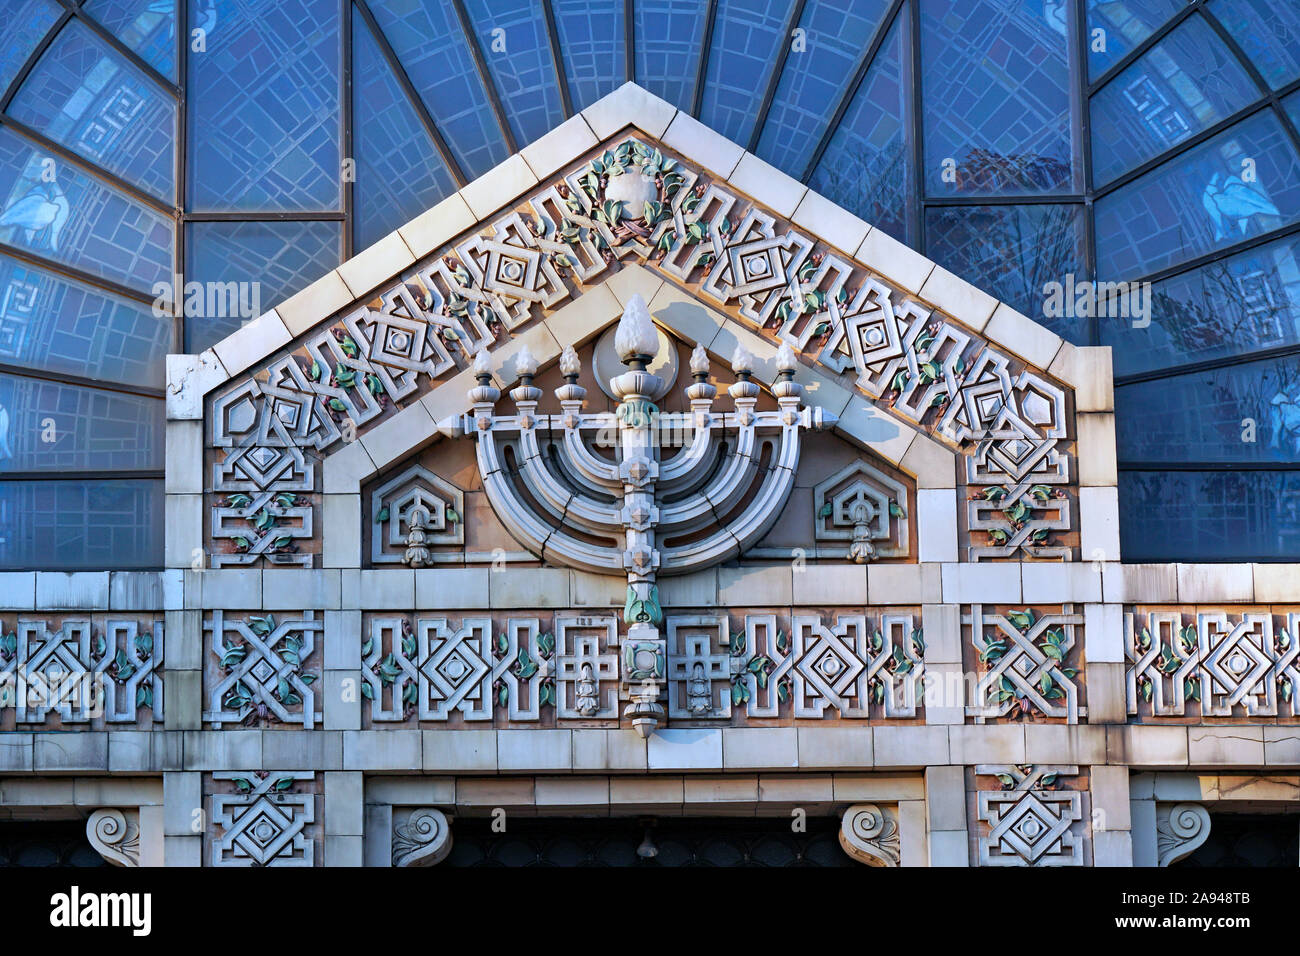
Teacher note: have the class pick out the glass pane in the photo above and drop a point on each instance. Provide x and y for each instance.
(1242, 182)
(49, 426)
(1268, 32)
(48, 322)
(1012, 252)
(1241, 413)
(866, 166)
(669, 34)
(746, 38)
(85, 97)
(399, 172)
(264, 106)
(1123, 24)
(50, 207)
(512, 35)
(269, 260)
(430, 45)
(148, 27)
(1242, 304)
(116, 523)
(26, 23)
(1209, 516)
(836, 35)
(591, 45)
(996, 91)
(1184, 84)
(1292, 104)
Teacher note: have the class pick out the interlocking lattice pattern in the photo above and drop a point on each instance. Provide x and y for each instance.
(261, 669)
(1030, 824)
(1212, 663)
(1027, 663)
(922, 367)
(87, 671)
(268, 820)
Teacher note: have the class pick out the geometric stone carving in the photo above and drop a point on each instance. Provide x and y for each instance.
(265, 821)
(257, 669)
(918, 366)
(1180, 829)
(1221, 665)
(391, 507)
(848, 668)
(869, 834)
(82, 671)
(586, 667)
(1027, 663)
(115, 835)
(862, 504)
(700, 667)
(423, 838)
(1030, 824)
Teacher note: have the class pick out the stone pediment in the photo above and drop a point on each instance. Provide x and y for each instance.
(353, 373)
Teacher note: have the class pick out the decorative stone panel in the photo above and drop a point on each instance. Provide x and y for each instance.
(864, 508)
(264, 818)
(1028, 661)
(1212, 663)
(393, 502)
(1030, 820)
(80, 672)
(260, 669)
(632, 202)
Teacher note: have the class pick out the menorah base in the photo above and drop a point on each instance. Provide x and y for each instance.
(645, 716)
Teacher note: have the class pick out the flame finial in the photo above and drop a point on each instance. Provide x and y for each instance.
(699, 361)
(525, 364)
(636, 334)
(742, 363)
(569, 363)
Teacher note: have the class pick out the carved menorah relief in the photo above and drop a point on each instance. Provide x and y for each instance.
(595, 492)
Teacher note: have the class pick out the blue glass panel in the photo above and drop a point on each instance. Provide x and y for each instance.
(1123, 24)
(669, 34)
(1268, 32)
(26, 22)
(746, 37)
(591, 45)
(1242, 182)
(264, 106)
(1241, 413)
(1242, 304)
(866, 166)
(435, 53)
(1209, 516)
(91, 428)
(1292, 104)
(837, 34)
(996, 91)
(1012, 252)
(519, 59)
(277, 258)
(146, 26)
(85, 97)
(1184, 84)
(399, 172)
(50, 207)
(81, 524)
(48, 322)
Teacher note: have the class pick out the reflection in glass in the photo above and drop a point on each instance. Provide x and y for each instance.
(114, 523)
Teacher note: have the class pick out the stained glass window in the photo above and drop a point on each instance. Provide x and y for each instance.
(590, 34)
(26, 23)
(71, 524)
(1268, 32)
(512, 36)
(146, 26)
(741, 55)
(1116, 27)
(668, 36)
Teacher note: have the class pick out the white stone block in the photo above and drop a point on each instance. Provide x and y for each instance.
(382, 750)
(314, 304)
(500, 185)
(697, 589)
(1103, 633)
(1088, 371)
(965, 303)
(832, 223)
(629, 104)
(779, 192)
(701, 145)
(381, 588)
(534, 750)
(17, 590)
(300, 589)
(1212, 583)
(1096, 437)
(904, 584)
(1139, 583)
(433, 227)
(1034, 343)
(184, 530)
(760, 748)
(981, 584)
(1276, 583)
(933, 464)
(136, 590)
(465, 588)
(375, 265)
(835, 748)
(824, 585)
(71, 590)
(685, 749)
(941, 626)
(233, 589)
(399, 436)
(766, 585)
(1066, 582)
(252, 342)
(528, 587)
(341, 531)
(882, 433)
(597, 590)
(344, 469)
(189, 378)
(184, 474)
(883, 254)
(936, 524)
(460, 750)
(1099, 524)
(559, 147)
